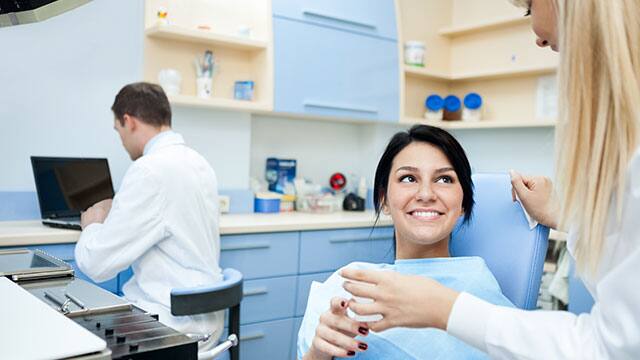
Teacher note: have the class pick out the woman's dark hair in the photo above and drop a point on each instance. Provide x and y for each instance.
(437, 137)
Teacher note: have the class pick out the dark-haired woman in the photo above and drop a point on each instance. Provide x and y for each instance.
(423, 181)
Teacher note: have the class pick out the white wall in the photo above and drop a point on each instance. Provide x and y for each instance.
(59, 78)
(223, 138)
(322, 148)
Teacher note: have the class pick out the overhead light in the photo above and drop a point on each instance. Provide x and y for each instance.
(17, 12)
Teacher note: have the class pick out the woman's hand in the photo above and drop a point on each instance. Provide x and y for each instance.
(336, 332)
(537, 197)
(403, 300)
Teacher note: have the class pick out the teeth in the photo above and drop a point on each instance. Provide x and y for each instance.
(425, 213)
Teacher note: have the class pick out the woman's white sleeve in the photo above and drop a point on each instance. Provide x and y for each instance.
(610, 331)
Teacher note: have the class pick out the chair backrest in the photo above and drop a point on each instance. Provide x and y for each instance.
(209, 298)
(499, 233)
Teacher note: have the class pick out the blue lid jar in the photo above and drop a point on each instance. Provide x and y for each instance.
(434, 102)
(473, 101)
(452, 103)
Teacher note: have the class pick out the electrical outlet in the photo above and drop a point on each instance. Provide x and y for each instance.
(224, 203)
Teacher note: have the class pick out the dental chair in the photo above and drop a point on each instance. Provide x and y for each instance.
(226, 294)
(498, 232)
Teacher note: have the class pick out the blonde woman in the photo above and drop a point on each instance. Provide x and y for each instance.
(598, 168)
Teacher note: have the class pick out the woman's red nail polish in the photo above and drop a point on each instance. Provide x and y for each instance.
(351, 353)
(363, 346)
(363, 331)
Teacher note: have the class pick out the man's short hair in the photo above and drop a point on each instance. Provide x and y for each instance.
(146, 101)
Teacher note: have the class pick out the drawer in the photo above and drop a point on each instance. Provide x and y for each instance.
(327, 72)
(322, 251)
(304, 285)
(109, 285)
(294, 339)
(261, 255)
(268, 299)
(266, 340)
(375, 18)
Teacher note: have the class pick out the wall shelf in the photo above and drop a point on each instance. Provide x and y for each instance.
(462, 30)
(480, 75)
(505, 73)
(218, 103)
(484, 124)
(171, 32)
(425, 73)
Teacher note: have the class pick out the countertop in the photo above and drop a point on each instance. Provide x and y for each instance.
(32, 232)
(19, 233)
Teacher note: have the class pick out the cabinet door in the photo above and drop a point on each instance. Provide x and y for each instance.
(265, 340)
(268, 299)
(294, 339)
(374, 18)
(304, 285)
(327, 72)
(329, 250)
(260, 255)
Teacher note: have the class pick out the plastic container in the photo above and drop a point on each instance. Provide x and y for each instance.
(243, 90)
(170, 80)
(435, 108)
(203, 87)
(287, 203)
(452, 108)
(266, 203)
(414, 53)
(472, 107)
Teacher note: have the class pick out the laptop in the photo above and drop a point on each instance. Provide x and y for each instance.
(67, 186)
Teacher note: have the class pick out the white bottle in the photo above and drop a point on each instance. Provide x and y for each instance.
(362, 188)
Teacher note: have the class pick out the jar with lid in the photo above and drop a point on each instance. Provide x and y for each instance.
(472, 107)
(414, 53)
(452, 108)
(434, 105)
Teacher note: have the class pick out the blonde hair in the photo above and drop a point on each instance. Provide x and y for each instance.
(597, 132)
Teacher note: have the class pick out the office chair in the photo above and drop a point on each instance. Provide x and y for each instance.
(498, 232)
(226, 294)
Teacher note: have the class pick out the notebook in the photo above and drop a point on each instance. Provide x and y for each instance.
(66, 186)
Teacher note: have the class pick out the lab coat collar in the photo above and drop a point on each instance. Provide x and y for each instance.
(163, 139)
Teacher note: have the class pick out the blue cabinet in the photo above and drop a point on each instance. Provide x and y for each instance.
(265, 340)
(268, 299)
(260, 255)
(345, 246)
(373, 18)
(304, 285)
(322, 71)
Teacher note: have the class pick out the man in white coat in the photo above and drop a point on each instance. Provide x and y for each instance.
(163, 221)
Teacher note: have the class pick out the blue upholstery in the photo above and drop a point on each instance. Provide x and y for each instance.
(499, 233)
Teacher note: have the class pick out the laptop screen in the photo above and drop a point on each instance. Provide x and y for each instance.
(67, 186)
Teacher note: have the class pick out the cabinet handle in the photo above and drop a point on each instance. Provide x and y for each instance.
(245, 246)
(254, 336)
(256, 291)
(318, 14)
(344, 107)
(356, 239)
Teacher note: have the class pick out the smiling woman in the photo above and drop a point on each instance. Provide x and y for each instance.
(423, 181)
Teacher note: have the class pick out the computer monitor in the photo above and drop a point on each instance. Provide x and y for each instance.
(67, 186)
